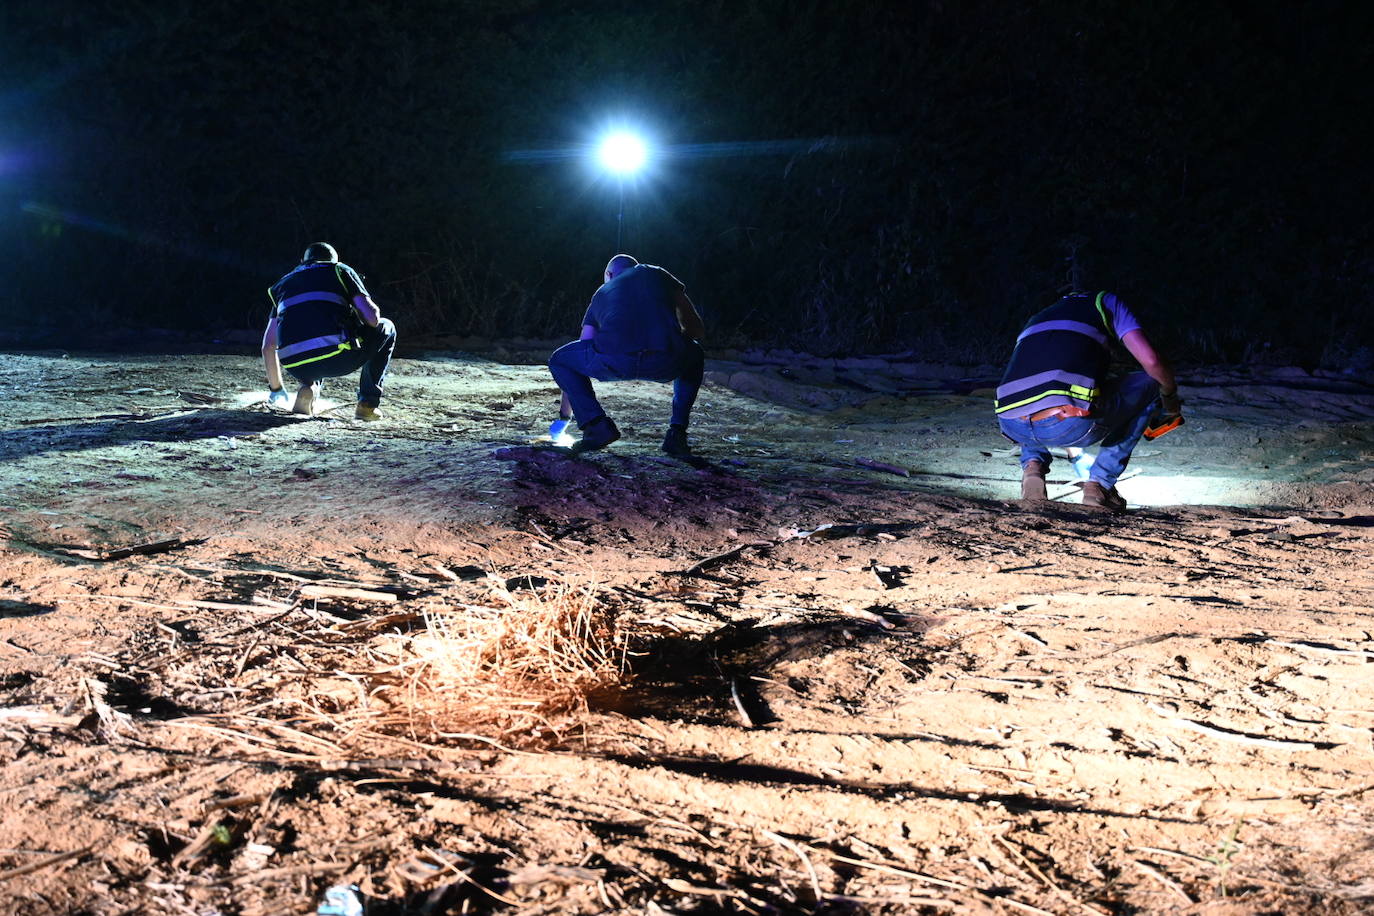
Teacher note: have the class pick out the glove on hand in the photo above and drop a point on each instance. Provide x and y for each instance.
(557, 428)
(1172, 404)
(278, 398)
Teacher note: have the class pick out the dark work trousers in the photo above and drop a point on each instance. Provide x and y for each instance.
(574, 365)
(372, 355)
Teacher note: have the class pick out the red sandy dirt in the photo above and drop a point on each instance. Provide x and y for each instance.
(944, 701)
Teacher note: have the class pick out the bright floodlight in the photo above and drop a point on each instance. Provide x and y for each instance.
(622, 153)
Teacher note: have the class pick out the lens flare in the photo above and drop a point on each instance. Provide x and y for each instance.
(622, 153)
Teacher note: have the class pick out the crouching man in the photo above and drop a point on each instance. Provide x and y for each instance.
(325, 325)
(639, 325)
(1055, 392)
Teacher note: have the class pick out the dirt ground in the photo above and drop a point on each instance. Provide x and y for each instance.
(854, 673)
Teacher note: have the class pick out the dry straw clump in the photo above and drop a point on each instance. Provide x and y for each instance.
(505, 674)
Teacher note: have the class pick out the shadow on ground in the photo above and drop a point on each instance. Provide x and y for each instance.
(181, 426)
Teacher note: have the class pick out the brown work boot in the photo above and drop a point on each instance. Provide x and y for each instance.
(1033, 481)
(366, 411)
(1100, 497)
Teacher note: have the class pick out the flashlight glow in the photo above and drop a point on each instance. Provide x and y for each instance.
(558, 433)
(249, 398)
(244, 399)
(622, 153)
(1082, 462)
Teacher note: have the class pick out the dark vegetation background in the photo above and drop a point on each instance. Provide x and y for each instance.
(904, 174)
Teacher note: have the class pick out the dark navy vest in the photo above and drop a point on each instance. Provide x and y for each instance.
(315, 314)
(1060, 359)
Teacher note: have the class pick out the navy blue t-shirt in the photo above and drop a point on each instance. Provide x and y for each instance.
(635, 312)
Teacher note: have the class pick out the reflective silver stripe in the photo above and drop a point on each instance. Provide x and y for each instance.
(1040, 378)
(312, 297)
(1077, 327)
(314, 343)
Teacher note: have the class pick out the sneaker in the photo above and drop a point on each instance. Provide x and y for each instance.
(1033, 481)
(675, 442)
(305, 399)
(366, 411)
(599, 433)
(1100, 497)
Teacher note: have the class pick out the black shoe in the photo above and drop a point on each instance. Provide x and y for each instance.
(675, 442)
(599, 433)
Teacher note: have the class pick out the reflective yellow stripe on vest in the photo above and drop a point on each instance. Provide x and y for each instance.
(346, 345)
(1077, 392)
(1106, 322)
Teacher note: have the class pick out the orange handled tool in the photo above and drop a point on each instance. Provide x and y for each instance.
(1162, 423)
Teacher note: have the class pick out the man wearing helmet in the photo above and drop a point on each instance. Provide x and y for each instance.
(639, 325)
(325, 325)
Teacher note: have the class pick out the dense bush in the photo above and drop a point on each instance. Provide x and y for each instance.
(899, 174)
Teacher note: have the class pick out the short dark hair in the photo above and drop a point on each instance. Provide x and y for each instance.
(619, 264)
(319, 251)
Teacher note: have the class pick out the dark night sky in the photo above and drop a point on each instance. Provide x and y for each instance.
(837, 175)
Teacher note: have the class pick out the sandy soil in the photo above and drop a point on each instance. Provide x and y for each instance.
(844, 689)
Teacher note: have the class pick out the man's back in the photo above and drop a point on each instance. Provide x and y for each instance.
(634, 312)
(1062, 354)
(315, 299)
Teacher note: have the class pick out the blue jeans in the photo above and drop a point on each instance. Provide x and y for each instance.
(1117, 423)
(372, 355)
(574, 365)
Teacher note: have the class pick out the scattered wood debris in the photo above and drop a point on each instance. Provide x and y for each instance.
(883, 466)
(120, 553)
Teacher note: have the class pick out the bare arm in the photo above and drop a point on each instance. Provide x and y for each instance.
(688, 318)
(367, 310)
(1151, 362)
(269, 355)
